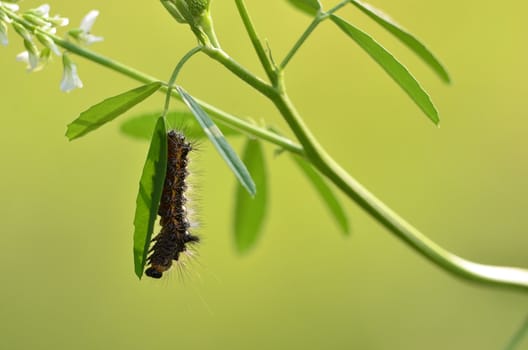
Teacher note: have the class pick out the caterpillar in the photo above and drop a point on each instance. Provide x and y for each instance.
(174, 235)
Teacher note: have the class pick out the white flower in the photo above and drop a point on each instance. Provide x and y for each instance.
(9, 6)
(70, 79)
(42, 10)
(30, 59)
(86, 26)
(59, 21)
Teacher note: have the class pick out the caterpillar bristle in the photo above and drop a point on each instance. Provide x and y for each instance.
(174, 234)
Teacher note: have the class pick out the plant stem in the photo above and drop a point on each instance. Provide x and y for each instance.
(174, 75)
(223, 58)
(495, 275)
(300, 42)
(257, 45)
(313, 152)
(218, 114)
(321, 16)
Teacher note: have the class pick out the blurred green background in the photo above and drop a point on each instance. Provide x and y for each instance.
(67, 279)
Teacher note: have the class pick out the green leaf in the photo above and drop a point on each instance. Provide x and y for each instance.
(405, 37)
(149, 195)
(141, 126)
(217, 138)
(325, 192)
(251, 212)
(517, 339)
(395, 69)
(106, 111)
(310, 7)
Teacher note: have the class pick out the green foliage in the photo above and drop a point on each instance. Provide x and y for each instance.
(141, 126)
(325, 193)
(517, 338)
(405, 37)
(218, 140)
(106, 111)
(250, 212)
(395, 69)
(149, 195)
(310, 7)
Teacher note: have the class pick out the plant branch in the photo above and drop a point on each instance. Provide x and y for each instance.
(218, 114)
(259, 48)
(321, 16)
(300, 42)
(174, 76)
(493, 275)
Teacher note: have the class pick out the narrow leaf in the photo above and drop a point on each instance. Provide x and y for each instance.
(217, 138)
(149, 195)
(310, 7)
(250, 212)
(405, 37)
(141, 126)
(325, 192)
(517, 339)
(395, 69)
(106, 111)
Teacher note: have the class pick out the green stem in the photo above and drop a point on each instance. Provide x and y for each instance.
(174, 75)
(223, 58)
(218, 114)
(321, 16)
(257, 45)
(494, 275)
(300, 42)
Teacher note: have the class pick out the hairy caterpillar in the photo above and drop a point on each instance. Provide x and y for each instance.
(174, 235)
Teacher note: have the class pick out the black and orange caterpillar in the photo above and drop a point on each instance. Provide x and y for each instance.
(174, 235)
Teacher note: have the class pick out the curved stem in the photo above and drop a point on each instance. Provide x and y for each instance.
(218, 114)
(174, 76)
(495, 275)
(223, 58)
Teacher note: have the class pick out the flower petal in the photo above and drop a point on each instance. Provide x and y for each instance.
(23, 57)
(70, 78)
(43, 10)
(89, 39)
(12, 7)
(89, 20)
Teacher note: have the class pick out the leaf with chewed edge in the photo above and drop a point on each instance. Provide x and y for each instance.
(149, 195)
(109, 109)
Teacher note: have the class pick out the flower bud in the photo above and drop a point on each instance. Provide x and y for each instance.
(3, 34)
(48, 43)
(198, 7)
(23, 32)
